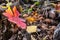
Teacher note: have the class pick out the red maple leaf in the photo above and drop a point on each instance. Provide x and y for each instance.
(14, 17)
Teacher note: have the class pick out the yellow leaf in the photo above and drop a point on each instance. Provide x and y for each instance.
(21, 9)
(30, 19)
(4, 7)
(31, 29)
